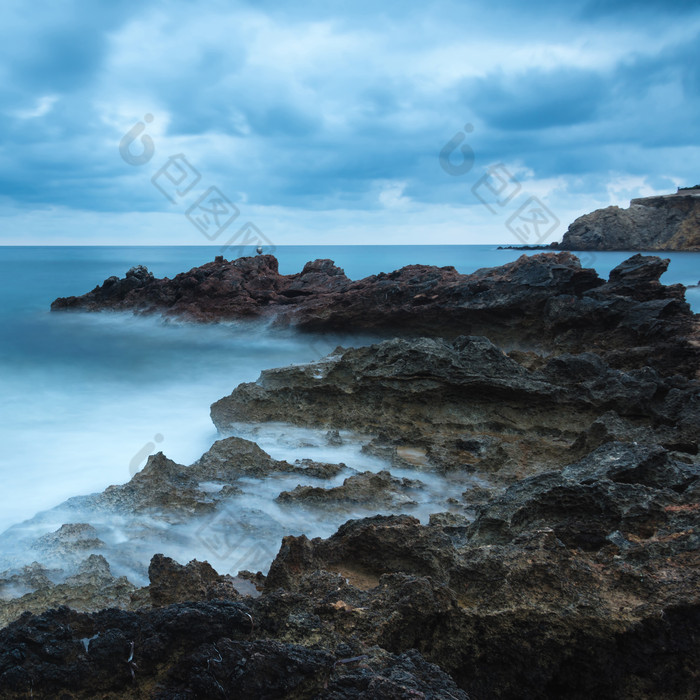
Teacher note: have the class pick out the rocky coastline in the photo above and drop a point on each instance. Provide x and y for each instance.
(542, 422)
(669, 222)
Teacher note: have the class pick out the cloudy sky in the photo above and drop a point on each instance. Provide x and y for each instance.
(188, 123)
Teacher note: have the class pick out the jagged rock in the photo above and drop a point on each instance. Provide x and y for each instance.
(232, 458)
(18, 582)
(177, 490)
(620, 621)
(580, 581)
(543, 302)
(333, 438)
(363, 550)
(318, 470)
(617, 488)
(68, 542)
(545, 605)
(92, 588)
(366, 490)
(448, 521)
(197, 650)
(465, 404)
(171, 582)
(666, 222)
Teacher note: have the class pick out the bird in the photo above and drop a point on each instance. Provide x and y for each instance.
(258, 250)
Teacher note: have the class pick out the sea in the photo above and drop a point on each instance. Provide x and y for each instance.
(86, 397)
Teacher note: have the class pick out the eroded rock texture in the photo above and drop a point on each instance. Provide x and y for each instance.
(575, 583)
(665, 222)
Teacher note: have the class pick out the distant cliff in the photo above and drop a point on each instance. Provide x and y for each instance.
(666, 222)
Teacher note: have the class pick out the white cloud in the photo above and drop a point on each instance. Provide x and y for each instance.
(625, 187)
(42, 107)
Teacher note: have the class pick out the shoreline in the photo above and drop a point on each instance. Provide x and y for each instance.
(585, 433)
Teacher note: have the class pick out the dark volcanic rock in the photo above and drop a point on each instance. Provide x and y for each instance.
(667, 222)
(176, 489)
(578, 577)
(544, 301)
(619, 488)
(203, 650)
(603, 605)
(367, 490)
(172, 583)
(364, 550)
(572, 620)
(465, 404)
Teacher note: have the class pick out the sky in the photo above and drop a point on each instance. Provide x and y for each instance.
(190, 123)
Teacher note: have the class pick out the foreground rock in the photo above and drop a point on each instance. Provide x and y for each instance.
(166, 505)
(465, 405)
(666, 222)
(580, 583)
(546, 302)
(220, 652)
(573, 570)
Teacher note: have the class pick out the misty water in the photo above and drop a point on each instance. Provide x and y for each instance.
(86, 397)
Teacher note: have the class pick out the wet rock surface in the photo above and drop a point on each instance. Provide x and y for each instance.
(545, 301)
(552, 416)
(178, 490)
(91, 588)
(466, 405)
(380, 490)
(547, 594)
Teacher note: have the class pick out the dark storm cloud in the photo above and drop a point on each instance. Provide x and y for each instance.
(325, 105)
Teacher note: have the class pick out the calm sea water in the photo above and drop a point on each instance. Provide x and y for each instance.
(86, 397)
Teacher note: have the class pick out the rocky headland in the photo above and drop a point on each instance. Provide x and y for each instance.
(544, 423)
(664, 222)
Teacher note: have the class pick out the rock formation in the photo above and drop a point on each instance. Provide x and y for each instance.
(665, 222)
(544, 302)
(558, 412)
(465, 405)
(576, 583)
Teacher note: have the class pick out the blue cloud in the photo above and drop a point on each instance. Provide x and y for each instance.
(323, 106)
(537, 99)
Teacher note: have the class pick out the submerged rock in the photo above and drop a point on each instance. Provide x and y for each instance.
(177, 490)
(91, 588)
(69, 542)
(366, 490)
